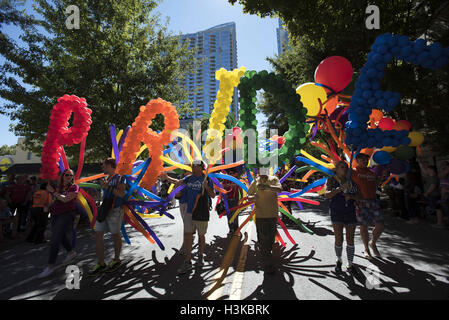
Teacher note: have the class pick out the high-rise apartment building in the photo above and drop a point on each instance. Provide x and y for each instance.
(282, 37)
(217, 46)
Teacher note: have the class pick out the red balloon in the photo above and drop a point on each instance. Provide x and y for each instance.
(334, 72)
(386, 124)
(281, 140)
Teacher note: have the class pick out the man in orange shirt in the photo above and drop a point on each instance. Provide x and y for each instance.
(369, 206)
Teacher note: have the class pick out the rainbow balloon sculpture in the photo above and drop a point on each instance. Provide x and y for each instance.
(355, 124)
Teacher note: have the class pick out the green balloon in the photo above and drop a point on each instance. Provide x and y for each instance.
(404, 153)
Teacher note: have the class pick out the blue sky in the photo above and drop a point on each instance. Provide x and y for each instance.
(256, 37)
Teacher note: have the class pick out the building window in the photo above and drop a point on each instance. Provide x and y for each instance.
(29, 155)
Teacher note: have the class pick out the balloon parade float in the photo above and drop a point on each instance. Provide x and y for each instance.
(355, 124)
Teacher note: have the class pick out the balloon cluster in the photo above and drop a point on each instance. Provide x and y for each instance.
(140, 132)
(392, 158)
(228, 81)
(283, 91)
(368, 94)
(59, 133)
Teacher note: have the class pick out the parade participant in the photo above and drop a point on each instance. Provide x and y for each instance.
(342, 194)
(232, 198)
(39, 214)
(7, 219)
(264, 192)
(412, 193)
(63, 212)
(369, 205)
(194, 185)
(19, 195)
(111, 218)
(182, 197)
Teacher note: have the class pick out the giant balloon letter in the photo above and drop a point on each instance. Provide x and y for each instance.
(140, 132)
(368, 94)
(290, 101)
(59, 133)
(228, 81)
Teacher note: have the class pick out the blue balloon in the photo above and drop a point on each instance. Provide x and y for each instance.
(396, 50)
(387, 95)
(419, 45)
(436, 50)
(406, 51)
(375, 85)
(376, 57)
(387, 57)
(382, 157)
(403, 41)
(371, 73)
(423, 57)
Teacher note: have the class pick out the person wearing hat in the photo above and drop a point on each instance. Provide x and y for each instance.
(264, 191)
(194, 185)
(367, 181)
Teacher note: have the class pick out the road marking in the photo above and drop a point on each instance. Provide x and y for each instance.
(237, 283)
(219, 276)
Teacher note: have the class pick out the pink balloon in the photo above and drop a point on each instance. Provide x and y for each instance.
(386, 124)
(335, 72)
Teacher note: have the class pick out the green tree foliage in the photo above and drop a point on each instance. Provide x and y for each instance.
(323, 28)
(7, 150)
(119, 59)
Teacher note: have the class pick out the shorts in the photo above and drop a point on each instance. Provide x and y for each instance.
(343, 218)
(369, 211)
(190, 226)
(112, 223)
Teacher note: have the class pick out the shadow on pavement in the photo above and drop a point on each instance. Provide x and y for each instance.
(390, 279)
(288, 264)
(157, 279)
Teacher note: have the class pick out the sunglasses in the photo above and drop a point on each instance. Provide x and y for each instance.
(68, 175)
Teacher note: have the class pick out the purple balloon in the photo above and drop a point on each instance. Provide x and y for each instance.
(397, 166)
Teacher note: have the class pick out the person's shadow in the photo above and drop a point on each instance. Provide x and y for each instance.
(288, 264)
(391, 279)
(153, 279)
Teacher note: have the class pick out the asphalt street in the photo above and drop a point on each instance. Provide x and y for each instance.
(414, 265)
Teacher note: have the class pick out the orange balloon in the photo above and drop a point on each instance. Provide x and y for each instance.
(399, 126)
(331, 105)
(140, 132)
(368, 151)
(376, 115)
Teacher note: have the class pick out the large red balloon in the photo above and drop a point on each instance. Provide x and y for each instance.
(386, 124)
(335, 72)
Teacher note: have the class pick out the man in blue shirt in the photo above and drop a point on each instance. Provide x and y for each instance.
(194, 184)
(113, 187)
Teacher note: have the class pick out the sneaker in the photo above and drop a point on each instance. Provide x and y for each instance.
(69, 257)
(186, 267)
(97, 270)
(352, 269)
(113, 266)
(338, 266)
(47, 271)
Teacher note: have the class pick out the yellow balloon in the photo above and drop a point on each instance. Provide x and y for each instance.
(310, 93)
(416, 137)
(388, 149)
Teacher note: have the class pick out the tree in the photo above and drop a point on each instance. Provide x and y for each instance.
(7, 150)
(319, 29)
(119, 59)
